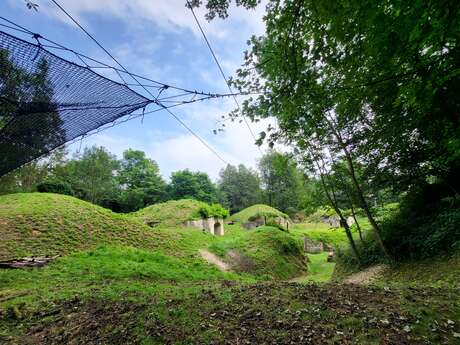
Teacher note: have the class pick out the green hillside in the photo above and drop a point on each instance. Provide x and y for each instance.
(50, 224)
(256, 211)
(265, 251)
(119, 281)
(176, 212)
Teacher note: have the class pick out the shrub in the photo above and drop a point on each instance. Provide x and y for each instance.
(214, 210)
(55, 186)
(427, 224)
(288, 245)
(323, 211)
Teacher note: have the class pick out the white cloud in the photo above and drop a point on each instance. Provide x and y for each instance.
(167, 14)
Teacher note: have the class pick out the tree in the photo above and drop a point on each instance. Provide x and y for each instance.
(30, 124)
(194, 185)
(240, 187)
(140, 181)
(30, 175)
(281, 180)
(92, 175)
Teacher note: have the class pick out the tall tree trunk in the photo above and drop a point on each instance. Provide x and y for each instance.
(359, 192)
(362, 200)
(358, 227)
(343, 222)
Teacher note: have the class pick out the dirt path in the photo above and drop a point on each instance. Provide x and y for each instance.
(214, 260)
(367, 276)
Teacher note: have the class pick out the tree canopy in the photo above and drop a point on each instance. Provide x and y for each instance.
(240, 187)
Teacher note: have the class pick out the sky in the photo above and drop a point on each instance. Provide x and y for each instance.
(159, 39)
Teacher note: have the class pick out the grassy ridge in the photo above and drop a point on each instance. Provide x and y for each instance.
(170, 213)
(255, 211)
(265, 251)
(50, 224)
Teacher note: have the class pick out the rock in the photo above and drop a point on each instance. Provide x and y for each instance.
(331, 257)
(38, 261)
(312, 247)
(333, 222)
(350, 221)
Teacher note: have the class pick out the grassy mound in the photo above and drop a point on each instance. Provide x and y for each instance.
(320, 232)
(176, 212)
(34, 224)
(266, 252)
(256, 211)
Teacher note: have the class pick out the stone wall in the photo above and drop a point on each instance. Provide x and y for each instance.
(212, 225)
(261, 221)
(312, 247)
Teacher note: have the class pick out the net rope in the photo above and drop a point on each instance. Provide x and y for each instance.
(47, 100)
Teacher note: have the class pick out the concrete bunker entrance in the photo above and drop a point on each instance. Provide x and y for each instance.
(218, 229)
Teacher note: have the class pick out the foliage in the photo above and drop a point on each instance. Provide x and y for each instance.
(281, 181)
(192, 185)
(91, 174)
(367, 92)
(140, 180)
(54, 185)
(428, 223)
(320, 212)
(240, 187)
(214, 210)
(29, 93)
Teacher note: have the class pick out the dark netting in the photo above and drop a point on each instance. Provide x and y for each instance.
(46, 101)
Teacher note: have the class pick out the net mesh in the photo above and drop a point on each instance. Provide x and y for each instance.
(47, 101)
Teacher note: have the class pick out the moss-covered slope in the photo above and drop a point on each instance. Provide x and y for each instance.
(256, 211)
(33, 224)
(176, 212)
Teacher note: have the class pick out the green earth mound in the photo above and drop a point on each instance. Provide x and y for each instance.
(256, 211)
(177, 212)
(39, 224)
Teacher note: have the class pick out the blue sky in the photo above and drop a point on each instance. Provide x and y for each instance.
(160, 40)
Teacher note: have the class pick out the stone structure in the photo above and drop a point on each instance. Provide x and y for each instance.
(212, 225)
(333, 222)
(255, 223)
(350, 221)
(312, 247)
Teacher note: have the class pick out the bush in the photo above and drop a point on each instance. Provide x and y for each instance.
(321, 212)
(427, 224)
(55, 186)
(214, 210)
(288, 246)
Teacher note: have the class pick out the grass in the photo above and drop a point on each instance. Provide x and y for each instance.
(265, 251)
(256, 211)
(34, 224)
(320, 232)
(108, 271)
(319, 270)
(119, 281)
(439, 272)
(171, 213)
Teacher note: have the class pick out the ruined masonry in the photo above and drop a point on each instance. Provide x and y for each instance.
(212, 225)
